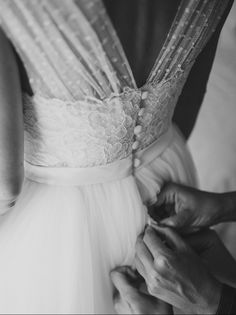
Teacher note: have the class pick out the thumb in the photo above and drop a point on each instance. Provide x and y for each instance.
(167, 194)
(179, 220)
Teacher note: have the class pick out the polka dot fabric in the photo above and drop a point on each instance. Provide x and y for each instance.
(77, 67)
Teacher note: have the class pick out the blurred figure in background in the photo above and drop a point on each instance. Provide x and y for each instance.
(213, 141)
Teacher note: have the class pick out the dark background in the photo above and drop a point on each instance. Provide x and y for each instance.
(142, 26)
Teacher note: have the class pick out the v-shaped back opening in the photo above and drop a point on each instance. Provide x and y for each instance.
(142, 27)
(99, 63)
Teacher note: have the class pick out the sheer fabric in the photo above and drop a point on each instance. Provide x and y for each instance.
(76, 63)
(69, 48)
(74, 222)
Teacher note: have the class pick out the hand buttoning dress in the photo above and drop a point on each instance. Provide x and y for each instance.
(97, 149)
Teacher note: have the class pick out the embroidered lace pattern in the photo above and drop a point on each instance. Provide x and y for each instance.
(82, 133)
(86, 104)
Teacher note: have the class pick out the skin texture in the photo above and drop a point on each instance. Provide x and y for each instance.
(166, 269)
(189, 209)
(171, 271)
(11, 126)
(131, 295)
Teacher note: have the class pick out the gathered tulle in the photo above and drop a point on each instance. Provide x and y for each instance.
(174, 164)
(59, 244)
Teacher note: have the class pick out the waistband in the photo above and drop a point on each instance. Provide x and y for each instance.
(66, 176)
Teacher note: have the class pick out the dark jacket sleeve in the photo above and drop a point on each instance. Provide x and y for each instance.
(227, 304)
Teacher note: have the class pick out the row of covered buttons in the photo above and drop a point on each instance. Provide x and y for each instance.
(138, 130)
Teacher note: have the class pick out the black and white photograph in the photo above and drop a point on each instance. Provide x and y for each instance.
(118, 157)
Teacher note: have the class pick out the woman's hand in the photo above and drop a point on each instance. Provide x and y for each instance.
(174, 273)
(131, 298)
(191, 209)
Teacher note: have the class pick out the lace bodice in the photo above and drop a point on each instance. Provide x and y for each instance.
(86, 109)
(84, 133)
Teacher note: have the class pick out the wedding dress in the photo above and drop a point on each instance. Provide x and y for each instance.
(97, 149)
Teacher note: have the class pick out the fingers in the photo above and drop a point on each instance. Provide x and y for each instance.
(172, 239)
(142, 304)
(144, 254)
(128, 297)
(140, 267)
(122, 283)
(178, 220)
(174, 197)
(151, 253)
(121, 306)
(128, 271)
(154, 243)
(167, 194)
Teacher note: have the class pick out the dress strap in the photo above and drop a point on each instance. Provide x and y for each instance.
(194, 23)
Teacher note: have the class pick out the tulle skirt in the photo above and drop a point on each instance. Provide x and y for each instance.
(62, 239)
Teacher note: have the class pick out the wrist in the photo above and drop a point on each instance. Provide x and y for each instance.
(227, 203)
(211, 299)
(215, 208)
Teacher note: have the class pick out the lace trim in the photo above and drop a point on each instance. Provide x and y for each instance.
(96, 132)
(79, 134)
(77, 69)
